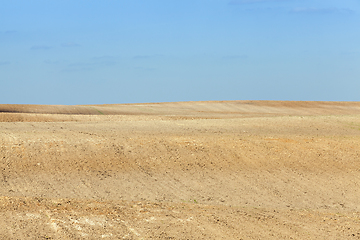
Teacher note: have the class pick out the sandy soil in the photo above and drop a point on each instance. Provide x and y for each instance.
(191, 170)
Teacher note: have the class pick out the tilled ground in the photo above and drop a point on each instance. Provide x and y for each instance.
(217, 170)
(44, 218)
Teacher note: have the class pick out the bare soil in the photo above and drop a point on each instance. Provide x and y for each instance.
(188, 170)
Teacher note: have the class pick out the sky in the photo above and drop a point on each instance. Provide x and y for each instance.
(135, 51)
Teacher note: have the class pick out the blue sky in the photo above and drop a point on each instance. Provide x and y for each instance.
(117, 51)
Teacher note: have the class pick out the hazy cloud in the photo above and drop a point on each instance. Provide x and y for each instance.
(77, 69)
(144, 69)
(10, 32)
(236, 57)
(354, 53)
(53, 62)
(322, 11)
(40, 47)
(147, 56)
(350, 55)
(105, 58)
(142, 57)
(70, 44)
(239, 2)
(4, 63)
(92, 64)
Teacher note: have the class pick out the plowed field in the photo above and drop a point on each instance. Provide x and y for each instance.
(190, 170)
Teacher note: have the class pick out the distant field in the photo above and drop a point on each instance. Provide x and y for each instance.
(187, 170)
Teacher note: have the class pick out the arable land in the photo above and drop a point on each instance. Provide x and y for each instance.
(187, 170)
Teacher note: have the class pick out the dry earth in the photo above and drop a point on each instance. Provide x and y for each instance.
(192, 170)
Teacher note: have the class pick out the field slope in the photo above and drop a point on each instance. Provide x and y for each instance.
(186, 170)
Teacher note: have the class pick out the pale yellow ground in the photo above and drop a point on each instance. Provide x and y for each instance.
(192, 170)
